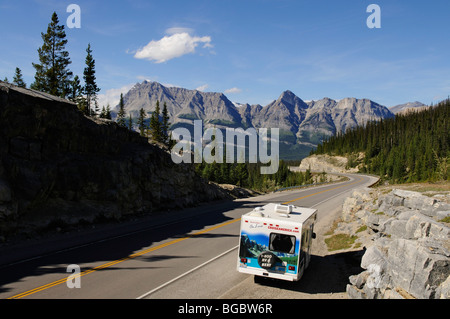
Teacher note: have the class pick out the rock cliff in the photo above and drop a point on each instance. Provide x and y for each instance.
(326, 163)
(59, 166)
(408, 244)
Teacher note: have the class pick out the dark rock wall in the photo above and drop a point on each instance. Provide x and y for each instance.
(57, 164)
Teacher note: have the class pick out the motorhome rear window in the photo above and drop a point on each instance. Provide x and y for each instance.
(282, 243)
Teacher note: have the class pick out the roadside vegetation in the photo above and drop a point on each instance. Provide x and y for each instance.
(248, 175)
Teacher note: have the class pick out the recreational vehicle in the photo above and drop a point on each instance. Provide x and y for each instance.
(275, 241)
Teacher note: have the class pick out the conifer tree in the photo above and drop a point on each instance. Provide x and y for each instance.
(52, 73)
(130, 123)
(141, 122)
(76, 94)
(18, 79)
(96, 108)
(155, 124)
(90, 87)
(121, 113)
(103, 113)
(108, 112)
(165, 125)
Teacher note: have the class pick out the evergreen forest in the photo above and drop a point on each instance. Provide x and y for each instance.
(411, 147)
(248, 175)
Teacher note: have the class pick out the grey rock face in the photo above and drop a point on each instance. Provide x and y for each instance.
(409, 255)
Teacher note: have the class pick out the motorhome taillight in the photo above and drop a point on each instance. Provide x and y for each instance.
(291, 267)
(244, 260)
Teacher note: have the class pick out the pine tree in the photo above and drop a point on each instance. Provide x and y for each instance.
(130, 123)
(165, 125)
(155, 124)
(103, 113)
(96, 108)
(141, 122)
(76, 94)
(90, 88)
(18, 79)
(52, 73)
(108, 112)
(121, 113)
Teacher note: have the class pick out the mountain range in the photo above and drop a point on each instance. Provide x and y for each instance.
(302, 124)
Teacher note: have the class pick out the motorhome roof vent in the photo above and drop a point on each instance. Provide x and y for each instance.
(258, 212)
(283, 209)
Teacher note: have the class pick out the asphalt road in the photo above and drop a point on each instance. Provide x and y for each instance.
(185, 254)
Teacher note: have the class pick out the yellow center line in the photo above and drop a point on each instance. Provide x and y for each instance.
(115, 262)
(149, 250)
(327, 190)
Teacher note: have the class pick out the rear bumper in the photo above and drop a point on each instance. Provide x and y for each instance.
(268, 273)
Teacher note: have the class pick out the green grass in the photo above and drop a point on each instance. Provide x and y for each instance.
(340, 241)
(362, 228)
(445, 220)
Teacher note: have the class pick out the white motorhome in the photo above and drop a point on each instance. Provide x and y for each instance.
(275, 241)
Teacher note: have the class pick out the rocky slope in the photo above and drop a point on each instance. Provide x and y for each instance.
(326, 163)
(183, 105)
(408, 107)
(407, 239)
(59, 167)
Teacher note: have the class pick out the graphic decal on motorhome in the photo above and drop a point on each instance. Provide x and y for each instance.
(275, 241)
(284, 247)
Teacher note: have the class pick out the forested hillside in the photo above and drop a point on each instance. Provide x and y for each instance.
(408, 148)
(248, 175)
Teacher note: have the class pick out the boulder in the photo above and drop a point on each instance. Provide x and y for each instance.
(416, 269)
(409, 255)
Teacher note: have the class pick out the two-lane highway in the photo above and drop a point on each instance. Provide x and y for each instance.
(159, 257)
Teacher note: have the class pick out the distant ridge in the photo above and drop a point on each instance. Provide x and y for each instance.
(406, 107)
(302, 124)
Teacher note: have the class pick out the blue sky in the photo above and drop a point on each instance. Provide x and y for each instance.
(250, 50)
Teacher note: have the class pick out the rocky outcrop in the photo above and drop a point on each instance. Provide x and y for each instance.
(408, 247)
(59, 166)
(327, 163)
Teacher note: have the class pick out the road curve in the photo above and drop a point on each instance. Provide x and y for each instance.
(184, 254)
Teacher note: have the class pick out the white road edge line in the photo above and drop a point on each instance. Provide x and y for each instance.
(186, 273)
(217, 257)
(348, 190)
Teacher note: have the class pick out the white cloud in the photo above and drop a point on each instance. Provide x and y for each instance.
(112, 96)
(175, 45)
(234, 90)
(202, 88)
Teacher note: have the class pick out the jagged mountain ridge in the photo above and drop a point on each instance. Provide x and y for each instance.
(302, 124)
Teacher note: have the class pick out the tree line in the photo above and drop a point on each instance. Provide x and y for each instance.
(53, 75)
(156, 127)
(248, 175)
(411, 147)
